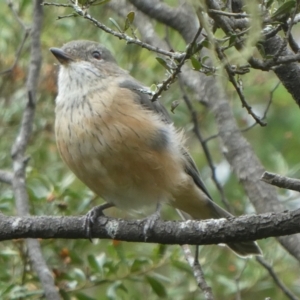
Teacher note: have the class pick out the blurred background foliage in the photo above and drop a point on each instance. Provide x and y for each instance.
(120, 270)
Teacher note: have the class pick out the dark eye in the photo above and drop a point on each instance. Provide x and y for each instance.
(96, 54)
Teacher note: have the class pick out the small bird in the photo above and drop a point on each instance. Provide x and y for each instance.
(122, 145)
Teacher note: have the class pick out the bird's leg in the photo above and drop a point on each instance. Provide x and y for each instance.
(150, 220)
(92, 216)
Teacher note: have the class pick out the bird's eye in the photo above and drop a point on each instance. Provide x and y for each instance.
(96, 55)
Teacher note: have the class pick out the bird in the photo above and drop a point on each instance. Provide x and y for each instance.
(122, 145)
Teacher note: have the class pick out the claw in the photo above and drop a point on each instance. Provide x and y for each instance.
(92, 216)
(151, 220)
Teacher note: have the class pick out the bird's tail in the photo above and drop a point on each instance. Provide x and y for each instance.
(198, 205)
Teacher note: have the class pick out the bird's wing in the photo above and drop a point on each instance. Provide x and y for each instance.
(145, 99)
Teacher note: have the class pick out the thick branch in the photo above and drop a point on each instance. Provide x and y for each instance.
(213, 231)
(182, 18)
(288, 74)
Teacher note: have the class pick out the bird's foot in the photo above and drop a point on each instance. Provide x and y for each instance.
(151, 220)
(92, 216)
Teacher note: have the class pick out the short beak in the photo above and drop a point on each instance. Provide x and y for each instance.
(61, 56)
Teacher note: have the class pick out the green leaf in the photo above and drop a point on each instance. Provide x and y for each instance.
(182, 266)
(284, 9)
(81, 296)
(153, 88)
(204, 58)
(94, 264)
(196, 63)
(101, 2)
(157, 287)
(232, 39)
(269, 3)
(206, 43)
(64, 295)
(163, 62)
(129, 20)
(112, 290)
(115, 24)
(161, 249)
(139, 263)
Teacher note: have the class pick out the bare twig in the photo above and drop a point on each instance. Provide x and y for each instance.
(196, 267)
(122, 35)
(165, 85)
(255, 123)
(230, 73)
(267, 107)
(229, 14)
(198, 273)
(238, 88)
(281, 181)
(204, 146)
(237, 281)
(17, 56)
(19, 20)
(26, 34)
(56, 4)
(276, 279)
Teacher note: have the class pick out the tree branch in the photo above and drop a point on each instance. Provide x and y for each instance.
(281, 181)
(193, 232)
(20, 160)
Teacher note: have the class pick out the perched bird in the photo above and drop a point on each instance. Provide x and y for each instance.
(122, 145)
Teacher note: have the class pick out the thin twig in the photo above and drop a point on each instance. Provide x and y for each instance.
(229, 14)
(238, 88)
(56, 4)
(18, 54)
(230, 74)
(19, 20)
(267, 107)
(281, 181)
(204, 146)
(198, 273)
(237, 281)
(278, 282)
(165, 85)
(196, 267)
(121, 35)
(26, 34)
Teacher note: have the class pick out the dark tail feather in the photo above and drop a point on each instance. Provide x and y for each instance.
(199, 206)
(245, 248)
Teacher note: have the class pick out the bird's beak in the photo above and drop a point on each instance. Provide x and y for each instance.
(61, 56)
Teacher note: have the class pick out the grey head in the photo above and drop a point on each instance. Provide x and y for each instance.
(82, 50)
(90, 54)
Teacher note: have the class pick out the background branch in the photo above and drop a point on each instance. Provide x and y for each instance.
(20, 160)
